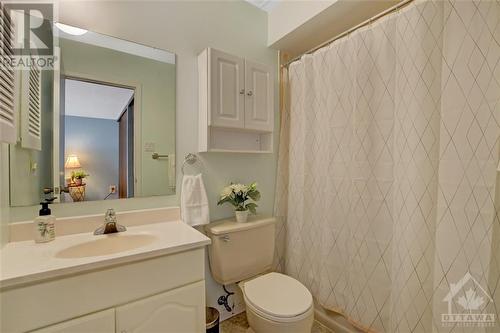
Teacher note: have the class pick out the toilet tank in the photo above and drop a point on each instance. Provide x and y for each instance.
(240, 250)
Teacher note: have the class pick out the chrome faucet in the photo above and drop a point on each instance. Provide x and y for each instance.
(110, 225)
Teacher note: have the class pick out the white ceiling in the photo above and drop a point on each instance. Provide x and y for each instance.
(85, 99)
(265, 5)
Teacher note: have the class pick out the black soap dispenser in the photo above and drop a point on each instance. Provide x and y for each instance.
(44, 224)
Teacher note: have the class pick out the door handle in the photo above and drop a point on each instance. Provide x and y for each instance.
(242, 91)
(250, 93)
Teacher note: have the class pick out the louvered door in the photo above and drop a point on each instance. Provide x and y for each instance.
(7, 87)
(31, 109)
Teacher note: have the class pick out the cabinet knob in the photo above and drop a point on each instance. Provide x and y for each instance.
(250, 93)
(242, 91)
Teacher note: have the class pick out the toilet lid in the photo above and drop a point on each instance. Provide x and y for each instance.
(278, 295)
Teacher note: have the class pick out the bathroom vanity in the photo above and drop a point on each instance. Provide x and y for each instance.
(147, 279)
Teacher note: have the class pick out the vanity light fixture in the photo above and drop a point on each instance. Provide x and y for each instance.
(70, 29)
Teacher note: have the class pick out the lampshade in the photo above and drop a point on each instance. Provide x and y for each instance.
(72, 162)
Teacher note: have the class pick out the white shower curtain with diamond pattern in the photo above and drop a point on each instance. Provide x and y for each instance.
(386, 180)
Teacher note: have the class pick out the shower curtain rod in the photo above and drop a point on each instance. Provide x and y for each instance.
(389, 10)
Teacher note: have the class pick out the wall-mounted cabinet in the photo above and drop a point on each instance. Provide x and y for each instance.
(236, 104)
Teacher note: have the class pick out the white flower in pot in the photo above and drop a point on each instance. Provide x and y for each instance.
(239, 196)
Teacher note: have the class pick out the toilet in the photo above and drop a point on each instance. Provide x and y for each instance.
(243, 253)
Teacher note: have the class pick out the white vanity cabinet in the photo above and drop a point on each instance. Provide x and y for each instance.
(236, 104)
(160, 294)
(100, 322)
(176, 311)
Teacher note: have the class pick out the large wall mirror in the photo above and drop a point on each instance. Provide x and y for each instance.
(106, 120)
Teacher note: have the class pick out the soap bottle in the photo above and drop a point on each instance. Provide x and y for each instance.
(44, 225)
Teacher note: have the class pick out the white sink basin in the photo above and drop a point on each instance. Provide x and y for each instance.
(110, 244)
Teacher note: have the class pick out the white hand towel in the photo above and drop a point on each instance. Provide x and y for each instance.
(194, 201)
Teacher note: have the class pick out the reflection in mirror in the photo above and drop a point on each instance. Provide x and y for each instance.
(104, 112)
(99, 129)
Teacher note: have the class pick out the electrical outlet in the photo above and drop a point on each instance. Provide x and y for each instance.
(112, 189)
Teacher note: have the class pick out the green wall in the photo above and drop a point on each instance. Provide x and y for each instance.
(185, 28)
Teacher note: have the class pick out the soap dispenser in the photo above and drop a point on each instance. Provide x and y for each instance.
(44, 224)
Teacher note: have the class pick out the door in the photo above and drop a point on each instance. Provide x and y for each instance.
(126, 152)
(259, 108)
(123, 155)
(227, 90)
(100, 322)
(180, 310)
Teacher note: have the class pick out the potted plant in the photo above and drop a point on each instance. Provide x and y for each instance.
(78, 176)
(239, 196)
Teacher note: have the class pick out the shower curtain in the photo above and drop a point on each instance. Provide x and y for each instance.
(389, 146)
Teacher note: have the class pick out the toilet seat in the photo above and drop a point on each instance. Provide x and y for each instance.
(278, 297)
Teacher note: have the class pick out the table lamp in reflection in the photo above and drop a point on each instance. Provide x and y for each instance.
(72, 162)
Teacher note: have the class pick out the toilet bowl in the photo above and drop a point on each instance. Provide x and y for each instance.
(276, 303)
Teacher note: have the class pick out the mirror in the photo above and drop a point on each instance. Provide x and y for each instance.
(107, 123)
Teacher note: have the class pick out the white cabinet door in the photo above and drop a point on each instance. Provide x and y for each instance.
(180, 310)
(259, 108)
(227, 90)
(100, 322)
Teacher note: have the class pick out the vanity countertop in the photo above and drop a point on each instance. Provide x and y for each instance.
(27, 262)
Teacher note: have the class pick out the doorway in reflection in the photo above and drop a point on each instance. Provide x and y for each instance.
(97, 140)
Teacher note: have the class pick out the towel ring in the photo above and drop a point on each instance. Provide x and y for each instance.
(189, 159)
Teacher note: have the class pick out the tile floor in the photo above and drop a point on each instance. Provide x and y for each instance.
(239, 324)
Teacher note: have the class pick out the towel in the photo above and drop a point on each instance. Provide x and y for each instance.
(194, 201)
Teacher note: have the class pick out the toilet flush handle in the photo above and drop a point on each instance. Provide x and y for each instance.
(225, 238)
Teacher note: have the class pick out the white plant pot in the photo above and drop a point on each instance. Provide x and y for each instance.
(241, 216)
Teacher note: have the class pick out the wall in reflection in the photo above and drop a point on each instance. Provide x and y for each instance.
(156, 98)
(95, 142)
